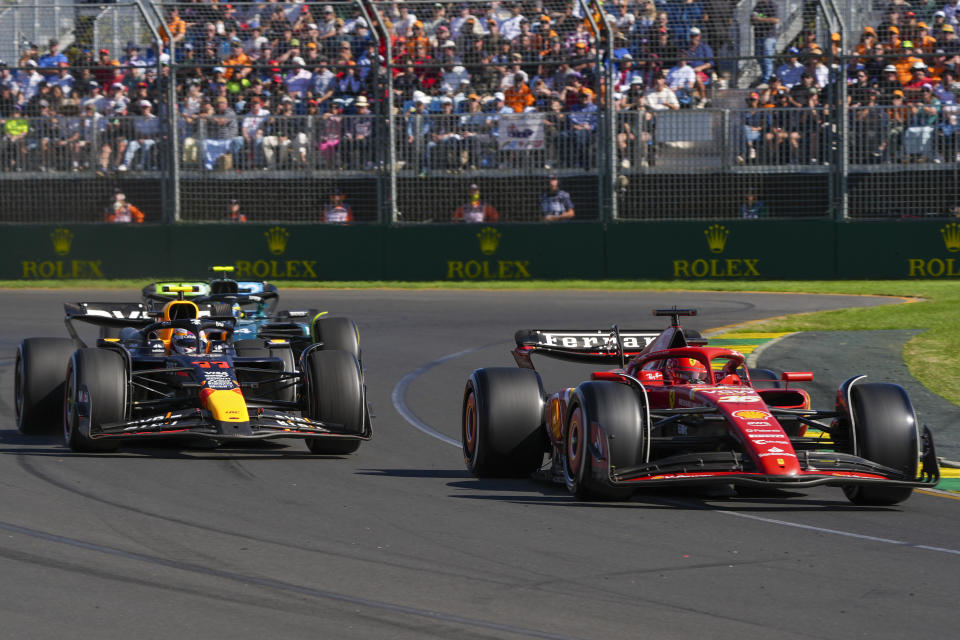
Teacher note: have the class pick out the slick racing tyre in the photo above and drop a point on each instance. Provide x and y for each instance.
(95, 392)
(885, 427)
(38, 383)
(502, 423)
(270, 389)
(338, 333)
(335, 394)
(606, 422)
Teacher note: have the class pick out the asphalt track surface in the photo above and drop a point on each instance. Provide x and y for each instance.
(398, 541)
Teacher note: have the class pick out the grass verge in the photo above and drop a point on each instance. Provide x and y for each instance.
(929, 356)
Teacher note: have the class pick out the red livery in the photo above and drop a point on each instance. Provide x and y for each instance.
(676, 411)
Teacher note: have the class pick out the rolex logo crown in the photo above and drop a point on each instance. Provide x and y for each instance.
(61, 239)
(489, 239)
(716, 237)
(951, 236)
(277, 239)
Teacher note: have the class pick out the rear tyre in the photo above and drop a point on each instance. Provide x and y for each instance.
(285, 390)
(335, 394)
(502, 431)
(337, 334)
(38, 383)
(606, 422)
(95, 391)
(885, 427)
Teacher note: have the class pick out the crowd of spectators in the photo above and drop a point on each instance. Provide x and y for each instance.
(902, 93)
(301, 85)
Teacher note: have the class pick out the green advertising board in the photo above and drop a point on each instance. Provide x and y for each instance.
(899, 249)
(495, 252)
(734, 250)
(727, 250)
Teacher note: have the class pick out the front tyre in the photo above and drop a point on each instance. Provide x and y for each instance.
(885, 427)
(335, 395)
(605, 429)
(95, 395)
(38, 383)
(502, 431)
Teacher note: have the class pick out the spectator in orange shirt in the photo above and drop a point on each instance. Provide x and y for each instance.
(906, 61)
(176, 26)
(122, 211)
(518, 96)
(237, 59)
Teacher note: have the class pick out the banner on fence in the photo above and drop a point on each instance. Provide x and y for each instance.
(521, 132)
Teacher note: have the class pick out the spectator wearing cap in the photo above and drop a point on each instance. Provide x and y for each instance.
(555, 203)
(234, 214)
(238, 63)
(869, 124)
(124, 211)
(132, 58)
(918, 79)
(96, 98)
(798, 93)
(939, 21)
(458, 22)
(29, 80)
(337, 211)
(887, 83)
(918, 139)
(949, 94)
(518, 95)
(348, 82)
(146, 131)
(298, 79)
(445, 143)
(898, 118)
(418, 125)
(358, 136)
(436, 20)
(660, 97)
(475, 210)
(790, 71)
(582, 126)
(905, 64)
(52, 58)
(950, 43)
(813, 63)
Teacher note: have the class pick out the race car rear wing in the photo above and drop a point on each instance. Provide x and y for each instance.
(599, 346)
(106, 314)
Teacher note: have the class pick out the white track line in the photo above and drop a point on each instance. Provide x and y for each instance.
(399, 396)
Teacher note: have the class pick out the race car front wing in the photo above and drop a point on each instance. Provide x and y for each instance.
(264, 424)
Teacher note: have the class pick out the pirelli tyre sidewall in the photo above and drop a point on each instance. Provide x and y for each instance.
(605, 428)
(38, 383)
(886, 432)
(335, 394)
(502, 432)
(94, 395)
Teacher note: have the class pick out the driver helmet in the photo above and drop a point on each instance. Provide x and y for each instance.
(687, 370)
(183, 342)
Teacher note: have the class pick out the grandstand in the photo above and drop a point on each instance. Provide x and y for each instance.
(644, 109)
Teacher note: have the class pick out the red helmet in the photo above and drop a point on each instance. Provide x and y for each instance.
(686, 370)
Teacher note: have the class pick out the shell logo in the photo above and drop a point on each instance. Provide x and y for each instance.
(752, 414)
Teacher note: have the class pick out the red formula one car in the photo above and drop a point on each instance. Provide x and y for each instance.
(678, 412)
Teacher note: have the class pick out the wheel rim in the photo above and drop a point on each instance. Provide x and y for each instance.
(470, 429)
(573, 458)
